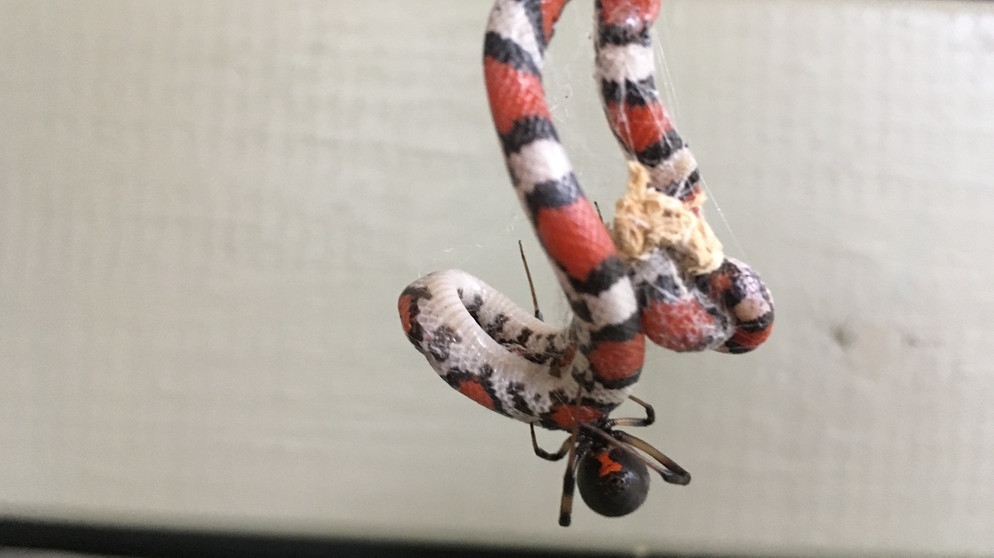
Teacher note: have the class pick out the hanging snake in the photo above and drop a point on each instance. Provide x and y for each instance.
(504, 358)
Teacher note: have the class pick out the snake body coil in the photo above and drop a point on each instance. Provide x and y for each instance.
(500, 356)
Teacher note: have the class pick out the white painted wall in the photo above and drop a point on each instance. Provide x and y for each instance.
(207, 210)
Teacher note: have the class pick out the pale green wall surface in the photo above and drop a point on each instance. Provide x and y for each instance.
(208, 209)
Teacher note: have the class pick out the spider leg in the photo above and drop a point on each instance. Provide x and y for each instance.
(597, 206)
(559, 454)
(569, 481)
(650, 416)
(671, 472)
(531, 286)
(666, 467)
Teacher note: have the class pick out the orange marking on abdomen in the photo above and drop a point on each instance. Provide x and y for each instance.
(475, 391)
(617, 360)
(681, 326)
(608, 465)
(513, 94)
(639, 126)
(574, 237)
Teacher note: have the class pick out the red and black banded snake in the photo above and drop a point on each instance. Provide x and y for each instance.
(499, 355)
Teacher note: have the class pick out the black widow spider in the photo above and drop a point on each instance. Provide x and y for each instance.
(609, 466)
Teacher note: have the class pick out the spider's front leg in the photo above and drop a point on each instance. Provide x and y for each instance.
(666, 467)
(650, 416)
(569, 478)
(670, 471)
(563, 450)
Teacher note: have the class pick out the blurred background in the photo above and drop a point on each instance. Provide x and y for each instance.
(208, 210)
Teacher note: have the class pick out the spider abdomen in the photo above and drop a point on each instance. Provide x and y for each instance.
(613, 482)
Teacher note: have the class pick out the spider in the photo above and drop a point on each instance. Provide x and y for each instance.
(609, 466)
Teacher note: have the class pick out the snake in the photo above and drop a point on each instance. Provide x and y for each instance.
(503, 357)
